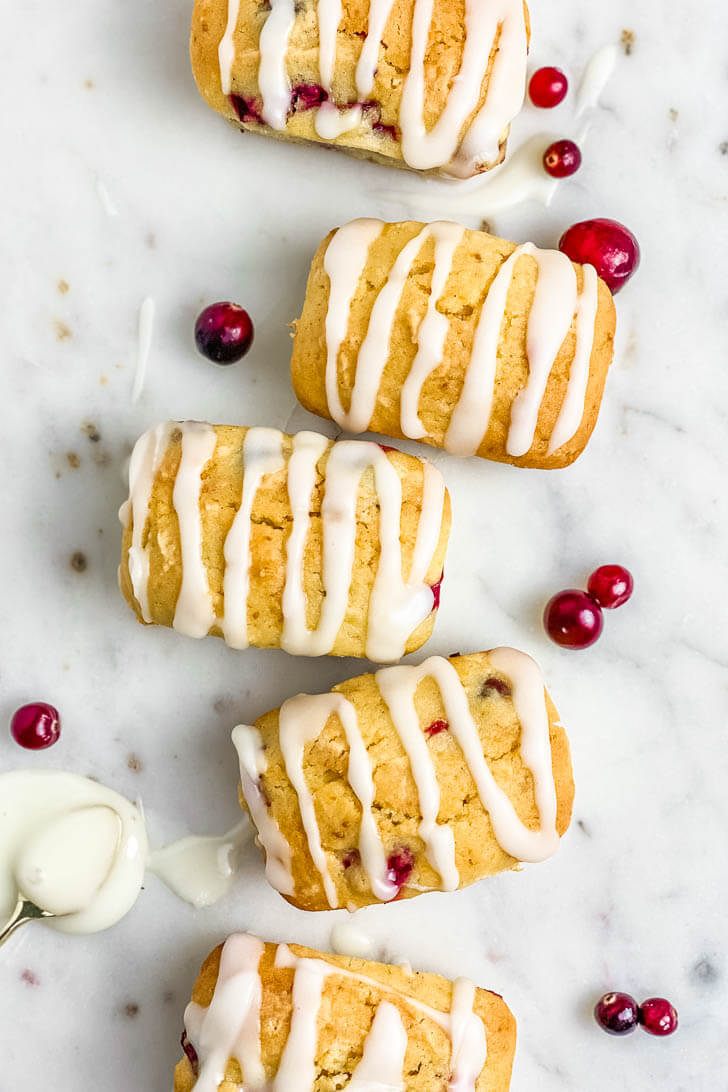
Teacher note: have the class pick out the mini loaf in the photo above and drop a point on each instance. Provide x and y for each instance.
(279, 541)
(428, 85)
(413, 779)
(291, 1019)
(455, 338)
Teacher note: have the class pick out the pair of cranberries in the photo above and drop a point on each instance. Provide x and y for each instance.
(619, 1014)
(36, 726)
(547, 89)
(574, 619)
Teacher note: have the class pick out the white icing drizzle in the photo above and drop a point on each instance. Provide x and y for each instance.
(230, 1027)
(572, 408)
(396, 606)
(226, 48)
(380, 1068)
(200, 868)
(194, 613)
(262, 455)
(275, 87)
(444, 144)
(251, 755)
(596, 76)
(146, 458)
(302, 719)
(553, 307)
(348, 939)
(144, 344)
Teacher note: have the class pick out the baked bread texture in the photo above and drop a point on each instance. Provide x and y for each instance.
(408, 780)
(285, 1016)
(429, 86)
(280, 541)
(455, 338)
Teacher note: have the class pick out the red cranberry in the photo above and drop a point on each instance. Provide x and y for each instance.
(224, 332)
(607, 245)
(400, 865)
(611, 586)
(246, 109)
(494, 685)
(562, 158)
(548, 87)
(436, 727)
(435, 589)
(307, 96)
(191, 1053)
(385, 448)
(353, 857)
(617, 1013)
(36, 726)
(572, 619)
(658, 1016)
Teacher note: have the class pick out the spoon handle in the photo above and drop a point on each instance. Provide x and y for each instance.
(25, 910)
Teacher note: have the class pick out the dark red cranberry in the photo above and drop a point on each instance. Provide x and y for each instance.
(658, 1016)
(572, 619)
(436, 727)
(548, 87)
(611, 586)
(617, 1013)
(435, 589)
(400, 865)
(494, 685)
(224, 332)
(390, 131)
(562, 158)
(307, 96)
(353, 857)
(386, 447)
(246, 109)
(607, 245)
(191, 1053)
(36, 726)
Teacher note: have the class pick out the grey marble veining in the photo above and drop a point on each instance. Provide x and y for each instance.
(101, 94)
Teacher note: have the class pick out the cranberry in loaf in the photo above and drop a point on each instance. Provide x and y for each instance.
(455, 338)
(294, 1019)
(432, 85)
(279, 541)
(416, 778)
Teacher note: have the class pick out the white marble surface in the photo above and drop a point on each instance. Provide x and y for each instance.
(100, 93)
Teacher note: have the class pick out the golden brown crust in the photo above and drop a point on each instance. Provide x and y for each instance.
(476, 263)
(396, 805)
(345, 1018)
(377, 138)
(222, 483)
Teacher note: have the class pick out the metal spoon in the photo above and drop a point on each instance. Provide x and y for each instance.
(25, 910)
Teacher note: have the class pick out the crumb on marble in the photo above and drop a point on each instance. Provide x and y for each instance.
(91, 431)
(63, 286)
(486, 226)
(89, 85)
(674, 114)
(705, 972)
(103, 380)
(73, 459)
(63, 332)
(29, 977)
(583, 827)
(151, 240)
(628, 40)
(723, 147)
(134, 763)
(102, 458)
(79, 564)
(130, 1010)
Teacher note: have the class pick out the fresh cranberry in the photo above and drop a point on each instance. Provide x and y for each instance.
(246, 109)
(435, 589)
(436, 727)
(607, 245)
(548, 87)
(562, 158)
(617, 1013)
(658, 1016)
(611, 586)
(307, 96)
(572, 619)
(36, 726)
(224, 332)
(495, 685)
(191, 1053)
(400, 865)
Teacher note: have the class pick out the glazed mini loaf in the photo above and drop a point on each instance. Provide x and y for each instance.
(279, 541)
(455, 338)
(413, 779)
(430, 86)
(291, 1019)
